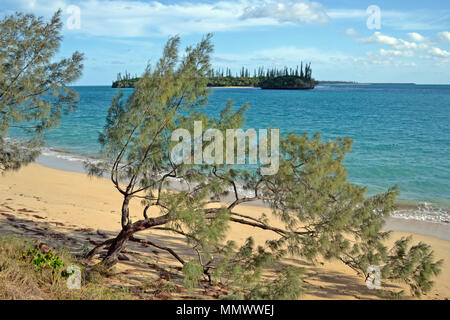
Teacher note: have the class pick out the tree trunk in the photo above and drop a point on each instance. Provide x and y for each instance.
(122, 238)
(116, 247)
(125, 212)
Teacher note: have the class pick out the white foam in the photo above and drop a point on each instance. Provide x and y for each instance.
(67, 156)
(61, 155)
(424, 212)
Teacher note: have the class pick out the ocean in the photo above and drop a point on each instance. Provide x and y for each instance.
(401, 133)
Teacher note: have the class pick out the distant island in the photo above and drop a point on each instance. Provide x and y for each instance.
(299, 78)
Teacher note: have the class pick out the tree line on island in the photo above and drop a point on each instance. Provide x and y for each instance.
(298, 78)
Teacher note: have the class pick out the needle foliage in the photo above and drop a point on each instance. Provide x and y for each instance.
(315, 212)
(33, 84)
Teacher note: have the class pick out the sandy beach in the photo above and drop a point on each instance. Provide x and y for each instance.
(71, 209)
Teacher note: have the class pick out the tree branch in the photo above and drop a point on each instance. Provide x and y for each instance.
(170, 250)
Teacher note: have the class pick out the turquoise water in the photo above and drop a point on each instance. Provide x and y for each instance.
(401, 133)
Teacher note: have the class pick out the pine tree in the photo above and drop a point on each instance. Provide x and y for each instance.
(33, 87)
(320, 213)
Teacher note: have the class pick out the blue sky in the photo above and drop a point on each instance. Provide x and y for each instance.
(412, 43)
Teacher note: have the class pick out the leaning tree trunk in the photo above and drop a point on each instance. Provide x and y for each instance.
(117, 245)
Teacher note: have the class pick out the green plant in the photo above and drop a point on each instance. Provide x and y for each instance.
(41, 261)
(19, 278)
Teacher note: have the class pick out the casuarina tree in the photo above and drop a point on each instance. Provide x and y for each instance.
(315, 211)
(33, 84)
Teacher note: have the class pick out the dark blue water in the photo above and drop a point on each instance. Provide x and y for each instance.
(401, 133)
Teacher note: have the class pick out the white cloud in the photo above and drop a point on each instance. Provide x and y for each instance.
(439, 53)
(402, 20)
(414, 36)
(295, 54)
(282, 56)
(400, 51)
(395, 53)
(298, 12)
(444, 36)
(351, 32)
(347, 13)
(379, 38)
(136, 18)
(403, 48)
(393, 58)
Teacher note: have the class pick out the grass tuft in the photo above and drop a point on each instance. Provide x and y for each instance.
(22, 278)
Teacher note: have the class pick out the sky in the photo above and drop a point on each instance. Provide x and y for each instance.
(348, 40)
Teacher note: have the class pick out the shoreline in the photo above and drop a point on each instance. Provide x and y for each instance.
(407, 210)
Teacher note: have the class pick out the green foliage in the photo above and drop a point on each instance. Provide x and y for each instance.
(414, 266)
(243, 268)
(233, 82)
(125, 83)
(193, 272)
(286, 82)
(243, 272)
(33, 87)
(41, 261)
(320, 213)
(265, 79)
(287, 286)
